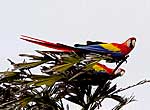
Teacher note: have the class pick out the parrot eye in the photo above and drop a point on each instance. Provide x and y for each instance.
(129, 43)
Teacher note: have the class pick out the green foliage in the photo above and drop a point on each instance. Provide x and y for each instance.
(49, 81)
(63, 76)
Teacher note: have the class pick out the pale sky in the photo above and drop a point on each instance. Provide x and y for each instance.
(76, 21)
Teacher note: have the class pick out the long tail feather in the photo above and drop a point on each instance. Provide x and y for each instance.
(57, 46)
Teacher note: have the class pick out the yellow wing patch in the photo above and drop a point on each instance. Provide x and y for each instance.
(98, 68)
(110, 47)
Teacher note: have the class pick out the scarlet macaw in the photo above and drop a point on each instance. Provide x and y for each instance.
(102, 69)
(100, 74)
(114, 50)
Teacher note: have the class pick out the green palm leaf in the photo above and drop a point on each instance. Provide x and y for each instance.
(49, 81)
(34, 57)
(23, 102)
(62, 68)
(28, 65)
(9, 73)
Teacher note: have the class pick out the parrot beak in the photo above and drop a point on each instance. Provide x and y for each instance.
(120, 72)
(133, 42)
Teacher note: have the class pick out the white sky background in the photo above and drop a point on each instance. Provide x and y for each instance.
(76, 21)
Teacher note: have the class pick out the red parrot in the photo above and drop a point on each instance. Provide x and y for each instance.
(114, 50)
(102, 69)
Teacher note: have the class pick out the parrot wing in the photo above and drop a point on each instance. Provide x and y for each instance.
(96, 42)
(107, 48)
(89, 43)
(102, 68)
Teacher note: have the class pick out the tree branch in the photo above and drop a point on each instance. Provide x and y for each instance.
(137, 84)
(120, 63)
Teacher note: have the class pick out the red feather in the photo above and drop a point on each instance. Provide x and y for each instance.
(57, 46)
(108, 70)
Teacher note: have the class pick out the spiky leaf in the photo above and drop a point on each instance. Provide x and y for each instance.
(34, 57)
(9, 73)
(28, 65)
(49, 81)
(23, 102)
(62, 68)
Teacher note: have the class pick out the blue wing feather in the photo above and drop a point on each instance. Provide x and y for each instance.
(96, 48)
(100, 49)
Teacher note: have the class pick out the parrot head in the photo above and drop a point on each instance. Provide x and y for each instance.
(130, 42)
(119, 72)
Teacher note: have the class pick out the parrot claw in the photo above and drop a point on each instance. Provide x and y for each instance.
(125, 58)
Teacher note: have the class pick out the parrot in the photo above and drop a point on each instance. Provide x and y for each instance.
(99, 74)
(114, 50)
(103, 69)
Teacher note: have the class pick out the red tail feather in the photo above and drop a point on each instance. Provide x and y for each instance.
(61, 47)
